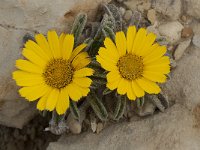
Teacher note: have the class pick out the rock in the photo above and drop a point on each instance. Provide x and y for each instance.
(169, 8)
(192, 7)
(140, 5)
(163, 131)
(171, 30)
(74, 125)
(122, 11)
(151, 15)
(181, 49)
(128, 14)
(186, 32)
(196, 39)
(99, 127)
(18, 18)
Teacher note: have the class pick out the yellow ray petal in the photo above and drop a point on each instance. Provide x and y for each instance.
(33, 92)
(139, 92)
(42, 42)
(120, 41)
(106, 65)
(84, 91)
(130, 92)
(73, 92)
(148, 86)
(63, 102)
(139, 41)
(131, 32)
(54, 44)
(30, 81)
(110, 46)
(24, 75)
(122, 87)
(155, 54)
(41, 105)
(154, 76)
(113, 75)
(150, 49)
(28, 66)
(105, 54)
(37, 50)
(83, 72)
(61, 40)
(149, 40)
(34, 58)
(81, 61)
(162, 61)
(52, 99)
(68, 46)
(163, 69)
(77, 50)
(82, 82)
(113, 85)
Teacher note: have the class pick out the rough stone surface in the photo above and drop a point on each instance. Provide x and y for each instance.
(140, 5)
(192, 7)
(151, 15)
(181, 49)
(164, 131)
(196, 40)
(18, 18)
(171, 30)
(169, 8)
(186, 32)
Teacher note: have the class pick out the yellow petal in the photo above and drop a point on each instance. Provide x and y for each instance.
(148, 86)
(84, 91)
(34, 58)
(162, 61)
(130, 92)
(33, 92)
(139, 92)
(163, 69)
(106, 65)
(77, 50)
(113, 85)
(153, 76)
(155, 54)
(81, 61)
(104, 53)
(73, 92)
(68, 46)
(82, 82)
(120, 41)
(61, 40)
(150, 50)
(52, 99)
(110, 46)
(113, 75)
(149, 40)
(37, 50)
(24, 75)
(42, 42)
(54, 44)
(41, 105)
(30, 81)
(83, 72)
(63, 102)
(122, 87)
(131, 32)
(139, 41)
(28, 66)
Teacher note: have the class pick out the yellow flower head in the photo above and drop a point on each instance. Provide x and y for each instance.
(135, 63)
(53, 72)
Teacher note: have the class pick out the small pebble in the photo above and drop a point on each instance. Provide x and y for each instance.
(151, 15)
(181, 49)
(196, 39)
(99, 127)
(122, 10)
(74, 125)
(186, 32)
(128, 14)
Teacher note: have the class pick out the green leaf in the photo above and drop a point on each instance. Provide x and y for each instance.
(74, 110)
(120, 107)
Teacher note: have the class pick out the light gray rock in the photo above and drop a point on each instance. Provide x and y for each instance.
(128, 14)
(171, 30)
(18, 18)
(169, 8)
(140, 5)
(163, 131)
(193, 8)
(181, 49)
(151, 15)
(196, 40)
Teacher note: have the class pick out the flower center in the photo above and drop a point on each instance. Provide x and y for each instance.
(130, 66)
(58, 73)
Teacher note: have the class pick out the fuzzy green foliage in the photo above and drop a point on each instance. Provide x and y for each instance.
(78, 27)
(74, 110)
(119, 107)
(135, 19)
(140, 102)
(106, 91)
(97, 106)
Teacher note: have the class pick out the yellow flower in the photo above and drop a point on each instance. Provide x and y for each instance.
(135, 63)
(53, 71)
